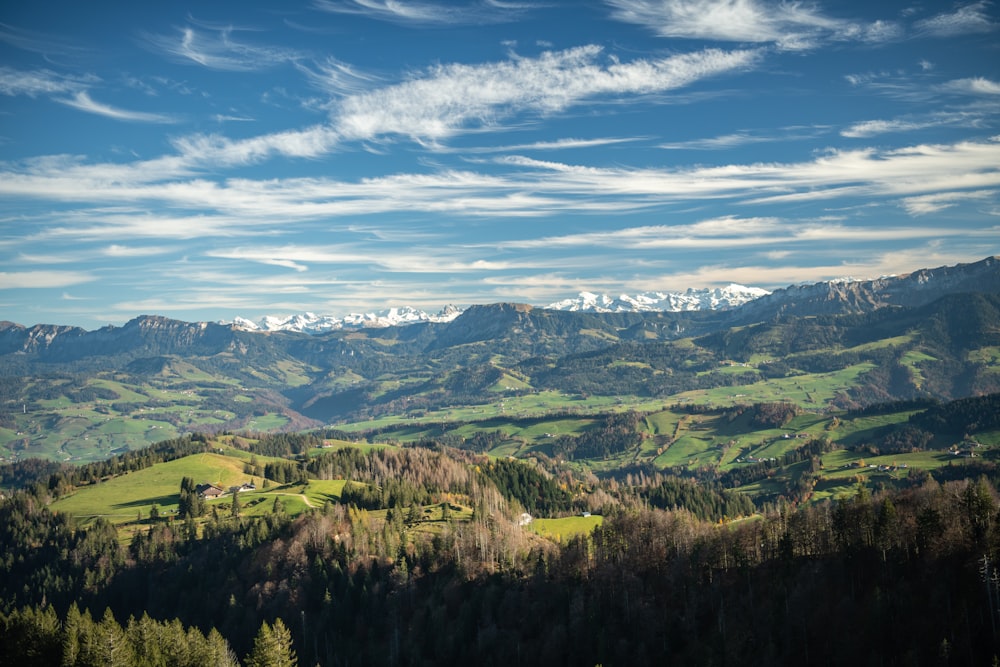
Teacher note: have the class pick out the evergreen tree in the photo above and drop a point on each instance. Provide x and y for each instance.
(272, 647)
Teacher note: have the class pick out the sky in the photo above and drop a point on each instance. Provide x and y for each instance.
(204, 161)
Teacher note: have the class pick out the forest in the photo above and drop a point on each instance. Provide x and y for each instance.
(423, 561)
(796, 491)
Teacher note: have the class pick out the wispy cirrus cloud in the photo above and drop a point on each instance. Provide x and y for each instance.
(744, 138)
(788, 25)
(555, 145)
(43, 279)
(973, 86)
(427, 13)
(870, 128)
(416, 260)
(38, 42)
(451, 98)
(14, 82)
(84, 102)
(217, 49)
(202, 149)
(927, 204)
(448, 100)
(728, 232)
(524, 187)
(968, 19)
(337, 78)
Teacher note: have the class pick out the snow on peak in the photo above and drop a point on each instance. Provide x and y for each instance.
(312, 323)
(717, 298)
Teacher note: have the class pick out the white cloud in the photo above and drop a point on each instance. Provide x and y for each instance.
(974, 86)
(727, 233)
(788, 25)
(772, 275)
(743, 138)
(426, 13)
(517, 187)
(202, 149)
(970, 19)
(338, 78)
(219, 51)
(926, 204)
(556, 145)
(42, 279)
(15, 82)
(84, 102)
(451, 98)
(116, 250)
(45, 44)
(439, 259)
(871, 128)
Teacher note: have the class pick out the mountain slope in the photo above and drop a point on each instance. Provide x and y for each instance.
(861, 296)
(66, 391)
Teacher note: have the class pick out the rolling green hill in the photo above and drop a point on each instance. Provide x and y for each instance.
(76, 396)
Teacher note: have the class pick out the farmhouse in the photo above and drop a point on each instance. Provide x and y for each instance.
(208, 490)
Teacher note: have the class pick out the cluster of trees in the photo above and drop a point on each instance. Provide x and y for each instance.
(286, 472)
(393, 494)
(774, 415)
(538, 493)
(706, 501)
(190, 503)
(963, 416)
(616, 433)
(35, 635)
(894, 578)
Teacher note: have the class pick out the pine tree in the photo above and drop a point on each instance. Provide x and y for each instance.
(272, 647)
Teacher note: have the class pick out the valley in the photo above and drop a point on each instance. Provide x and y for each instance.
(701, 477)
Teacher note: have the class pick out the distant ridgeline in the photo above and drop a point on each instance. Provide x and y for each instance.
(72, 395)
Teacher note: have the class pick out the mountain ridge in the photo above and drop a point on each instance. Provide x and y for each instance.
(824, 297)
(156, 333)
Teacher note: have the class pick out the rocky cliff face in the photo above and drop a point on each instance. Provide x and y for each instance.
(149, 334)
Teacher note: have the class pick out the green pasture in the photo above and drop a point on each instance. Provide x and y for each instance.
(121, 499)
(860, 430)
(530, 405)
(810, 391)
(690, 452)
(268, 422)
(566, 528)
(128, 393)
(432, 519)
(320, 491)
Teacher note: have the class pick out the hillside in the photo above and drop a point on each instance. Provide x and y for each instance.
(345, 543)
(69, 394)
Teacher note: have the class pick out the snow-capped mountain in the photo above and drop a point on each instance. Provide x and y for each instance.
(718, 298)
(313, 323)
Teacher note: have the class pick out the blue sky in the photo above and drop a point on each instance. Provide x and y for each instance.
(208, 160)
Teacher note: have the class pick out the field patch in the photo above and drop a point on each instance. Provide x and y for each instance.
(566, 528)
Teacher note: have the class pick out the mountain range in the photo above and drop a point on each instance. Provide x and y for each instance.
(670, 314)
(930, 334)
(719, 298)
(843, 295)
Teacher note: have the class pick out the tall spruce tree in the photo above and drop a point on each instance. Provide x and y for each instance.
(272, 647)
